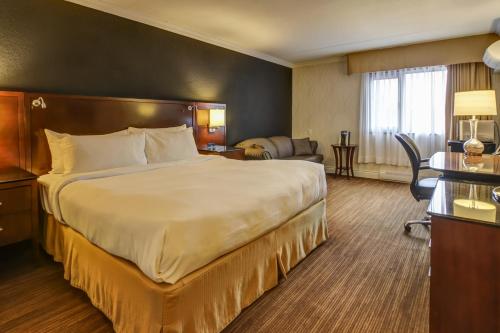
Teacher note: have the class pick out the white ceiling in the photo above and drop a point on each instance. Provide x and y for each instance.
(292, 31)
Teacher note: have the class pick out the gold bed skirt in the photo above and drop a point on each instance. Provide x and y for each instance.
(204, 301)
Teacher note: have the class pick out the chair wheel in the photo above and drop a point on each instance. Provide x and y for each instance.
(407, 228)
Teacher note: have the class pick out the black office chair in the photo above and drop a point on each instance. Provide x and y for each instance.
(421, 189)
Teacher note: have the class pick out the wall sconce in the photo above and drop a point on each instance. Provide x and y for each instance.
(211, 118)
(216, 119)
(38, 102)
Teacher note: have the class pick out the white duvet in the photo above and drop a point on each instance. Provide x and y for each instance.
(173, 218)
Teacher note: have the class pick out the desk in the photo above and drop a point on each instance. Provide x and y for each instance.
(457, 166)
(465, 259)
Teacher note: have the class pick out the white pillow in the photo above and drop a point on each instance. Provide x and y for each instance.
(97, 152)
(157, 130)
(54, 140)
(170, 146)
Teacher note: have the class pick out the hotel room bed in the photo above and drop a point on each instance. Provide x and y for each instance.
(175, 217)
(183, 246)
(179, 246)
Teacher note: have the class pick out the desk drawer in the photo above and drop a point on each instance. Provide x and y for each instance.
(15, 199)
(15, 227)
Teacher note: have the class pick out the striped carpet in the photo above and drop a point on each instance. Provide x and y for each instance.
(368, 277)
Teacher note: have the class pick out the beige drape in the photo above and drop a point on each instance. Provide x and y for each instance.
(464, 77)
(444, 52)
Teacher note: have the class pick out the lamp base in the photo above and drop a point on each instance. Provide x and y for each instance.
(473, 147)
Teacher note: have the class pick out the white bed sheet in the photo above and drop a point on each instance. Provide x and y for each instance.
(173, 218)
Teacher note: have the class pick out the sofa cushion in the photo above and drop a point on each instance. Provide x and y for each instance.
(302, 146)
(314, 146)
(311, 158)
(263, 143)
(283, 145)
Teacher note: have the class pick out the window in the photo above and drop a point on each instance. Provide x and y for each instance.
(408, 100)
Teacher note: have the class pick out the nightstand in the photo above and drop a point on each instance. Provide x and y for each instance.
(226, 151)
(18, 207)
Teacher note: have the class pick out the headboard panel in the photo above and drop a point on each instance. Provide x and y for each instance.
(82, 115)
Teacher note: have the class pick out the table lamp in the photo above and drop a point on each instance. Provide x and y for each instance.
(475, 103)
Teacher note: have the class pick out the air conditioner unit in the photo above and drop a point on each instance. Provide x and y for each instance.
(485, 130)
(492, 56)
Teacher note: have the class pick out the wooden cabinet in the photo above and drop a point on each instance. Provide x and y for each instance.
(465, 277)
(18, 207)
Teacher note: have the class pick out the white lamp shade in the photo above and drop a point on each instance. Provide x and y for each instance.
(217, 118)
(475, 103)
(492, 56)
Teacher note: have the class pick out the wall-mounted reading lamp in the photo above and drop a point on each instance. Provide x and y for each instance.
(212, 119)
(38, 103)
(216, 119)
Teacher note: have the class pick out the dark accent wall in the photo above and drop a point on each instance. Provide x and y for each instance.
(59, 47)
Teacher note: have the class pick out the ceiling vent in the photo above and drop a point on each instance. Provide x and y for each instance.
(492, 56)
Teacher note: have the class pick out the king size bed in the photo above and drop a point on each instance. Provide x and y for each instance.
(170, 246)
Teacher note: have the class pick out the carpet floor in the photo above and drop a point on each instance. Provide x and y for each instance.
(368, 277)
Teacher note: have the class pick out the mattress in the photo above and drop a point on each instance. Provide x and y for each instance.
(173, 218)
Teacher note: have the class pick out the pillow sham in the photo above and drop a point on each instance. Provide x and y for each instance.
(157, 130)
(170, 146)
(54, 141)
(97, 152)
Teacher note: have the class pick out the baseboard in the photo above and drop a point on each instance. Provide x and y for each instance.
(387, 175)
(371, 174)
(393, 176)
(329, 169)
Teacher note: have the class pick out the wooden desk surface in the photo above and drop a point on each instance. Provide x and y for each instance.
(465, 201)
(484, 168)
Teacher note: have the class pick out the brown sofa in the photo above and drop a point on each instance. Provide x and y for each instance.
(281, 147)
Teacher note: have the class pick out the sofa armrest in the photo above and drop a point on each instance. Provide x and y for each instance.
(257, 153)
(314, 146)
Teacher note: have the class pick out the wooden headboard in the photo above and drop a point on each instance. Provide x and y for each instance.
(82, 115)
(13, 131)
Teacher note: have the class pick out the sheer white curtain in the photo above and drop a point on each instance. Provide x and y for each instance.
(411, 101)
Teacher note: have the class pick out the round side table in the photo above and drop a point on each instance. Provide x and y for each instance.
(349, 156)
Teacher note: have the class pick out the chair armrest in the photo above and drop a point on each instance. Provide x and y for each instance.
(424, 167)
(314, 145)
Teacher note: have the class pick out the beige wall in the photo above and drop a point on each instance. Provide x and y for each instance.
(325, 101)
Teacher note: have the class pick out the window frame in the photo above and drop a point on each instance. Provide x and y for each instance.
(399, 75)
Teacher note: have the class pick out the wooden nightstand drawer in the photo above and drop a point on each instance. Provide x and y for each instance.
(238, 154)
(18, 207)
(226, 151)
(15, 199)
(15, 227)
